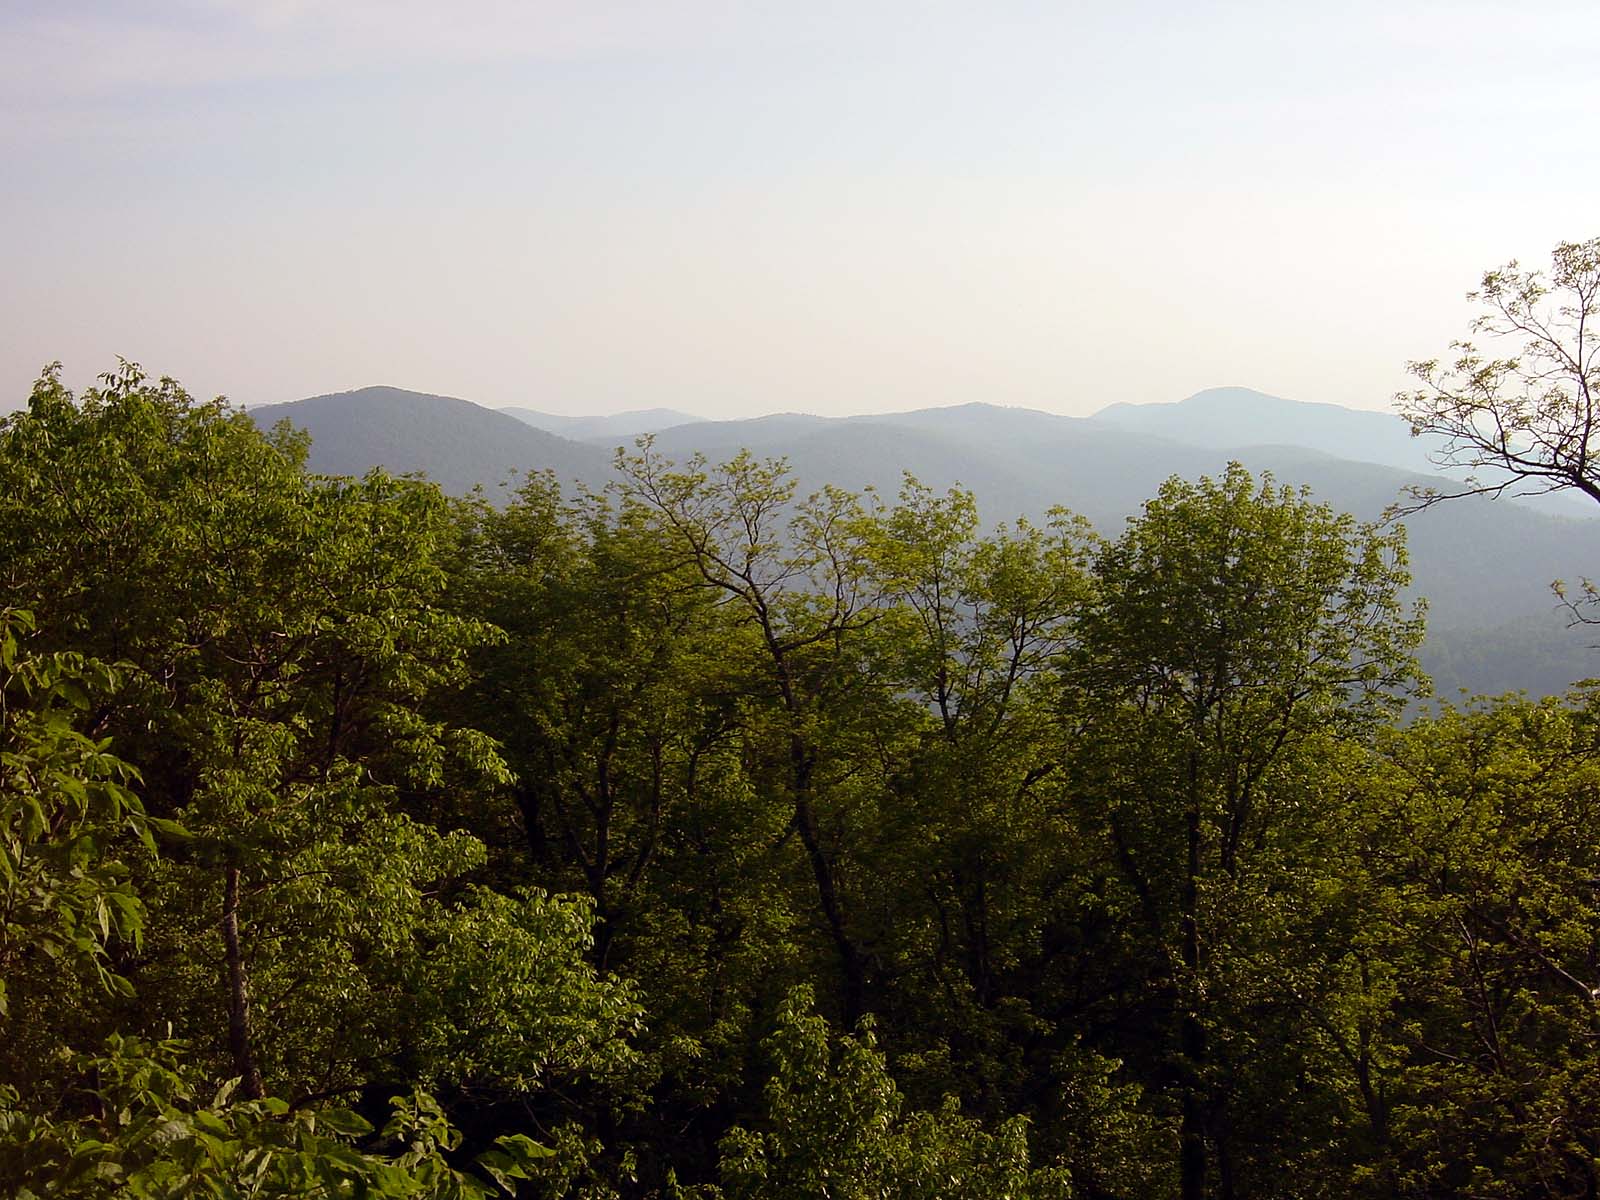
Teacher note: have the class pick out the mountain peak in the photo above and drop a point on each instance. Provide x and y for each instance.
(458, 443)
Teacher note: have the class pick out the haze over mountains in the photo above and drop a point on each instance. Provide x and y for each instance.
(457, 444)
(623, 425)
(1233, 416)
(1485, 566)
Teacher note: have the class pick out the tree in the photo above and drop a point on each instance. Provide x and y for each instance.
(972, 848)
(619, 703)
(129, 1120)
(1236, 634)
(1480, 951)
(834, 1125)
(802, 581)
(278, 637)
(599, 693)
(1529, 417)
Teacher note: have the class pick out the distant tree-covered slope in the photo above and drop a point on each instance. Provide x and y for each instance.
(458, 444)
(1238, 416)
(1485, 566)
(624, 425)
(1235, 416)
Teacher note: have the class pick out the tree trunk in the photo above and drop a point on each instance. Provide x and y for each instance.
(240, 1043)
(1192, 1034)
(854, 998)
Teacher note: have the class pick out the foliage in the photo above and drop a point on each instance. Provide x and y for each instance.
(276, 638)
(63, 798)
(834, 1125)
(1236, 636)
(150, 1135)
(280, 634)
(701, 839)
(1482, 969)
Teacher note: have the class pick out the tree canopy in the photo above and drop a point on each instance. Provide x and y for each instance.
(699, 839)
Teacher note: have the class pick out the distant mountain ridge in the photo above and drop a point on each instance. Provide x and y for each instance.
(617, 425)
(1239, 416)
(456, 443)
(1234, 416)
(1484, 565)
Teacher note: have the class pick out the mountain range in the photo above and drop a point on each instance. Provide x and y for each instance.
(1484, 566)
(618, 425)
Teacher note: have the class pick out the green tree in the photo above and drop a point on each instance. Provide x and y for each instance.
(802, 582)
(150, 1133)
(280, 636)
(1236, 634)
(1480, 954)
(834, 1124)
(971, 844)
(620, 711)
(128, 1121)
(601, 694)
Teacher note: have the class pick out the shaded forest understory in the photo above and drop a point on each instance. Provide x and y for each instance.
(699, 840)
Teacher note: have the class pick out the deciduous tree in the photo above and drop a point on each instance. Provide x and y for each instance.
(1236, 630)
(1517, 405)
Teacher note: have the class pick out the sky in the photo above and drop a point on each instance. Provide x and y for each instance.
(741, 208)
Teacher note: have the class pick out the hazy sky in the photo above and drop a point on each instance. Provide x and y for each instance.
(736, 208)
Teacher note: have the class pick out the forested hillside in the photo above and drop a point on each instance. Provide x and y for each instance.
(700, 839)
(1484, 567)
(458, 444)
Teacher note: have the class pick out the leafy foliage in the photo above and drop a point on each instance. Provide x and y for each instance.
(1482, 856)
(64, 799)
(153, 1137)
(834, 1125)
(701, 839)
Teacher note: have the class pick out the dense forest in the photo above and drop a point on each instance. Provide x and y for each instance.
(694, 838)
